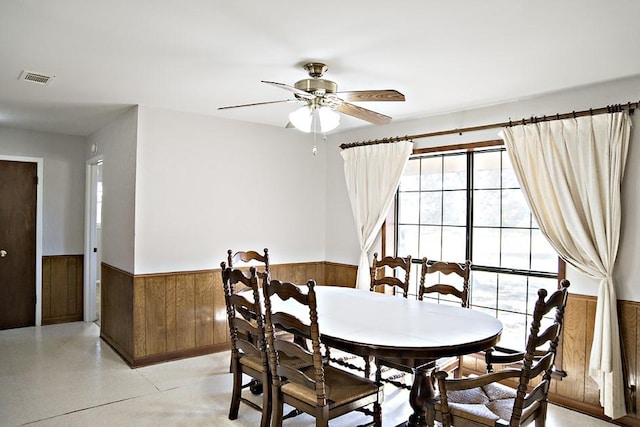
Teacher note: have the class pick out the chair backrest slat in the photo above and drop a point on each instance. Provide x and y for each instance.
(247, 257)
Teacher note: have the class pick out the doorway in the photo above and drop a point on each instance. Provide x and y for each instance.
(20, 241)
(93, 240)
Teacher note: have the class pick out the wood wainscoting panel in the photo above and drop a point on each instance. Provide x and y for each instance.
(591, 391)
(340, 274)
(116, 310)
(185, 313)
(574, 349)
(62, 288)
(299, 273)
(155, 319)
(204, 309)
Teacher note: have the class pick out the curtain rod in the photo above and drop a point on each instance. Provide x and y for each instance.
(629, 106)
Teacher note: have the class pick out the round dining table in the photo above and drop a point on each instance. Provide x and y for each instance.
(371, 324)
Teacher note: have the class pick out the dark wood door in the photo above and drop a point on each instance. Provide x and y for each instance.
(18, 185)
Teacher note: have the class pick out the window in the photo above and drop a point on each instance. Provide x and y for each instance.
(454, 206)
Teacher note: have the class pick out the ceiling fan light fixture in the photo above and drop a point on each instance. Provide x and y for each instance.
(329, 119)
(302, 118)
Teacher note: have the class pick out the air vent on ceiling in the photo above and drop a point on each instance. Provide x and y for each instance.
(39, 78)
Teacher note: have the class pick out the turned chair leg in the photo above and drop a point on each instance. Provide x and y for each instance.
(266, 402)
(276, 407)
(236, 393)
(377, 415)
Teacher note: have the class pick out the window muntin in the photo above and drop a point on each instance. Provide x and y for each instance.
(454, 206)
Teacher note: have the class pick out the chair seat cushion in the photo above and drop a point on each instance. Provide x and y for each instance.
(483, 405)
(343, 387)
(252, 362)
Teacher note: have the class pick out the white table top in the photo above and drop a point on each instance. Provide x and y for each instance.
(384, 325)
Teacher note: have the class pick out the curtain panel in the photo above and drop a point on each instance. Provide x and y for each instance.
(372, 174)
(571, 174)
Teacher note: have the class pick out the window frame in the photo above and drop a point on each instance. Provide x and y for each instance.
(390, 228)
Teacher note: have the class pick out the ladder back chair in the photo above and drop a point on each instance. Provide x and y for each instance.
(483, 401)
(455, 272)
(380, 279)
(462, 270)
(248, 344)
(307, 384)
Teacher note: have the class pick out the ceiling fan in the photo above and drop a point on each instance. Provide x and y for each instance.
(321, 99)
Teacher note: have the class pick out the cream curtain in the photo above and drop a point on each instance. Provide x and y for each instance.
(571, 173)
(372, 173)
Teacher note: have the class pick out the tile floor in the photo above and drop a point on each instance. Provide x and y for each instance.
(64, 375)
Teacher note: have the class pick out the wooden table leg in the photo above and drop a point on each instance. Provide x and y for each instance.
(421, 395)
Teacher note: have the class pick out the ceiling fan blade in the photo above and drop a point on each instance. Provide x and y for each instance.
(258, 103)
(300, 93)
(371, 95)
(363, 114)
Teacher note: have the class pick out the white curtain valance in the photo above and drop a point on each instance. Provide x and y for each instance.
(372, 174)
(571, 173)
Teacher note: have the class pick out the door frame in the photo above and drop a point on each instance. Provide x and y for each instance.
(39, 203)
(90, 239)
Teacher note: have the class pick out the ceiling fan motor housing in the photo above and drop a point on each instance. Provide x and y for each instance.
(317, 86)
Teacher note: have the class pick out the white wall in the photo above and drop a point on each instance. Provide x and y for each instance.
(63, 185)
(117, 143)
(342, 243)
(205, 185)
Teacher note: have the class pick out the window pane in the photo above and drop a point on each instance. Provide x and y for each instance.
(486, 208)
(514, 330)
(408, 208)
(486, 246)
(414, 280)
(509, 179)
(431, 176)
(454, 207)
(430, 242)
(407, 239)
(431, 207)
(410, 180)
(543, 256)
(515, 248)
(455, 172)
(515, 211)
(454, 242)
(484, 289)
(512, 293)
(487, 170)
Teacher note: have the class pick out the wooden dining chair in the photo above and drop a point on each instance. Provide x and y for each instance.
(483, 401)
(456, 285)
(300, 378)
(248, 344)
(383, 273)
(438, 269)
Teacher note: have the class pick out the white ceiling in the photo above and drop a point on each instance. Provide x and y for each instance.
(198, 55)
